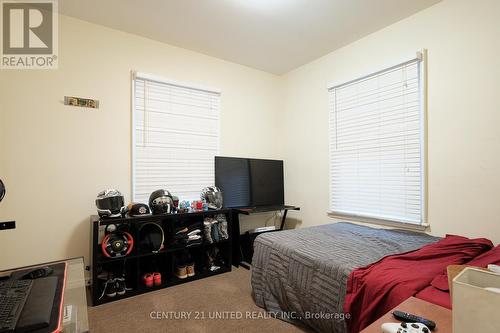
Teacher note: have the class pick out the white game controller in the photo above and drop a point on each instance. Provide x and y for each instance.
(405, 328)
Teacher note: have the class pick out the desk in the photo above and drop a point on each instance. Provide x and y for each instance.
(441, 316)
(74, 294)
(237, 245)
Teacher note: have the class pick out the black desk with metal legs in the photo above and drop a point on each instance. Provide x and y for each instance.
(243, 244)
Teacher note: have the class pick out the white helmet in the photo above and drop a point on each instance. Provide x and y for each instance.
(110, 203)
(212, 195)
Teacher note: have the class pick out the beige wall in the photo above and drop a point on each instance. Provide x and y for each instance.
(463, 42)
(55, 159)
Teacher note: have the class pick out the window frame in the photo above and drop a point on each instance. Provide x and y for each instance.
(421, 58)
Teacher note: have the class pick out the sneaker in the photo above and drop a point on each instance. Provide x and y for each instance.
(219, 259)
(109, 288)
(120, 286)
(212, 256)
(147, 279)
(181, 272)
(157, 279)
(190, 269)
(216, 236)
(223, 230)
(223, 226)
(207, 227)
(214, 268)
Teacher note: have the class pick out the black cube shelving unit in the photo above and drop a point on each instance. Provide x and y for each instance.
(134, 265)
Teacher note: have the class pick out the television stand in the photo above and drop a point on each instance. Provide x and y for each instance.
(265, 209)
(243, 249)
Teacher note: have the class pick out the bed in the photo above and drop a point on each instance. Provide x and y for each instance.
(301, 275)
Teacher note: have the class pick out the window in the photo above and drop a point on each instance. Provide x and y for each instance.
(377, 146)
(175, 137)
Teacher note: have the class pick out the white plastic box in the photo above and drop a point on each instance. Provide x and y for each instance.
(476, 309)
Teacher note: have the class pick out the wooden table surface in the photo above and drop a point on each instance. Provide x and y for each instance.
(441, 316)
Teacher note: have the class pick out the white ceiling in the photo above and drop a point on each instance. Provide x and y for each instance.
(272, 35)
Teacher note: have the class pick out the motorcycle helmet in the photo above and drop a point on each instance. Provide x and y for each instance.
(212, 195)
(110, 203)
(161, 202)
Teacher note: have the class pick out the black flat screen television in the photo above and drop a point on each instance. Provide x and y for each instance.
(249, 182)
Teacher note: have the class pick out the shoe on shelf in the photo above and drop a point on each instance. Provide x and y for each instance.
(110, 288)
(190, 269)
(120, 286)
(147, 279)
(214, 268)
(157, 279)
(181, 272)
(221, 218)
(207, 227)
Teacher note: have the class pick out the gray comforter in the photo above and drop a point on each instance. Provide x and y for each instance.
(301, 275)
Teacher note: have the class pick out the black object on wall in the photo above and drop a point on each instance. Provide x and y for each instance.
(8, 224)
(2, 190)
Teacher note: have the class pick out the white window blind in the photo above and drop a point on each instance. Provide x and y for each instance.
(175, 138)
(376, 145)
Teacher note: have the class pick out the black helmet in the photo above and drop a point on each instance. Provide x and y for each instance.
(161, 202)
(212, 195)
(110, 203)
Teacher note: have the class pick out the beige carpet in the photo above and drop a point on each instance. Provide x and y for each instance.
(210, 297)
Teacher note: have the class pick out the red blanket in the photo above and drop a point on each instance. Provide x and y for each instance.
(438, 290)
(377, 288)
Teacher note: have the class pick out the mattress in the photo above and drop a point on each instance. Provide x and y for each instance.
(301, 275)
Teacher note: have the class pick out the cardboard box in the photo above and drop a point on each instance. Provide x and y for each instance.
(476, 309)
